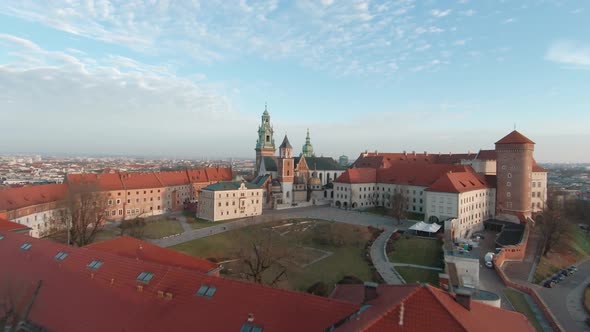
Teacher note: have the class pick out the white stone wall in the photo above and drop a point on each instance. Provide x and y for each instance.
(487, 167)
(474, 207)
(467, 270)
(41, 223)
(230, 204)
(365, 195)
(441, 205)
(538, 191)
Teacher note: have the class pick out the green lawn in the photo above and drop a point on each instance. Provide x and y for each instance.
(346, 242)
(159, 228)
(412, 275)
(573, 247)
(520, 304)
(416, 250)
(197, 223)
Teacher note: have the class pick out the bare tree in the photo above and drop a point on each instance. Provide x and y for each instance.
(264, 261)
(82, 213)
(399, 206)
(552, 226)
(134, 227)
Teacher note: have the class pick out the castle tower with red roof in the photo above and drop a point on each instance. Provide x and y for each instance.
(286, 170)
(514, 167)
(265, 144)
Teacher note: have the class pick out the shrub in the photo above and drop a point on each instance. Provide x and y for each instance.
(350, 280)
(319, 288)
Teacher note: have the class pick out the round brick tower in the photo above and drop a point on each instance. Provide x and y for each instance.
(514, 166)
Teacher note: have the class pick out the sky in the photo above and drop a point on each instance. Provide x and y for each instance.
(192, 78)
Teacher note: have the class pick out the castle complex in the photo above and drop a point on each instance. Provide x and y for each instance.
(467, 189)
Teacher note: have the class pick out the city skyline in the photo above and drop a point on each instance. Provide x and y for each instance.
(191, 80)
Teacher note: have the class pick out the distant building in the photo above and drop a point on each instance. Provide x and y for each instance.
(343, 161)
(230, 200)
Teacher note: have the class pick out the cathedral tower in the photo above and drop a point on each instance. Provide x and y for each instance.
(514, 166)
(286, 170)
(307, 150)
(265, 144)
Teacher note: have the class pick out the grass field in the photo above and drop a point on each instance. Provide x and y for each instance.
(587, 299)
(572, 248)
(159, 228)
(345, 242)
(412, 275)
(416, 250)
(520, 304)
(197, 223)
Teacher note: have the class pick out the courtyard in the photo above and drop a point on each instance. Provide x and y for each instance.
(312, 250)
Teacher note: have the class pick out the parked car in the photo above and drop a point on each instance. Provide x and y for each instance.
(489, 264)
(549, 284)
(560, 276)
(573, 268)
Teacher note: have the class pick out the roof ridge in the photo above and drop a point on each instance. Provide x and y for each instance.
(393, 308)
(445, 307)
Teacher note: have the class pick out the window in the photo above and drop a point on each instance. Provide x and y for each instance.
(206, 291)
(508, 184)
(26, 246)
(110, 202)
(114, 213)
(120, 212)
(94, 265)
(145, 277)
(118, 201)
(509, 175)
(247, 327)
(61, 256)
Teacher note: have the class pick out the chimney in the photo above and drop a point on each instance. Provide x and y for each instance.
(463, 297)
(140, 288)
(160, 294)
(169, 296)
(370, 291)
(413, 152)
(250, 317)
(405, 153)
(425, 153)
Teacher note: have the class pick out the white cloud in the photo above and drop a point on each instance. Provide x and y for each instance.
(569, 52)
(509, 20)
(440, 13)
(469, 12)
(310, 32)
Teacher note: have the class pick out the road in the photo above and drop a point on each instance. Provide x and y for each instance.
(565, 299)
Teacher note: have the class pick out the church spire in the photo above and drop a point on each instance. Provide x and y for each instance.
(307, 150)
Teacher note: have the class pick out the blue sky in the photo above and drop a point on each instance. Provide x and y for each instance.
(190, 78)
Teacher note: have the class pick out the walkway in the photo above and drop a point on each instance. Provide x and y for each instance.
(325, 213)
(380, 260)
(417, 266)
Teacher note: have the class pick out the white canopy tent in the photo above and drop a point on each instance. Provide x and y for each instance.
(424, 227)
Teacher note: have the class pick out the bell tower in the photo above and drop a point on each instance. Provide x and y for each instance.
(265, 144)
(286, 169)
(307, 150)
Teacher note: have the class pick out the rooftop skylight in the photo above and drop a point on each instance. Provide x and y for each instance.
(145, 277)
(206, 291)
(94, 265)
(26, 246)
(61, 256)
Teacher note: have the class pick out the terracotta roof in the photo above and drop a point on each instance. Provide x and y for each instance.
(537, 168)
(415, 175)
(486, 155)
(140, 180)
(108, 299)
(133, 248)
(103, 181)
(219, 174)
(10, 226)
(515, 138)
(458, 182)
(16, 198)
(197, 175)
(169, 179)
(426, 308)
(358, 175)
(386, 160)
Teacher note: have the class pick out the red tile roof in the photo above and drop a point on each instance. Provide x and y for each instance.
(140, 180)
(16, 198)
(133, 248)
(197, 175)
(537, 168)
(10, 226)
(486, 155)
(386, 160)
(415, 175)
(102, 181)
(169, 179)
(219, 174)
(459, 182)
(108, 300)
(425, 308)
(515, 138)
(358, 175)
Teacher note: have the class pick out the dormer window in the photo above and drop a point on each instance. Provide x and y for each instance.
(206, 291)
(94, 265)
(145, 277)
(61, 256)
(26, 246)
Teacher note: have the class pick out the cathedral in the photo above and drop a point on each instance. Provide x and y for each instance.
(290, 180)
